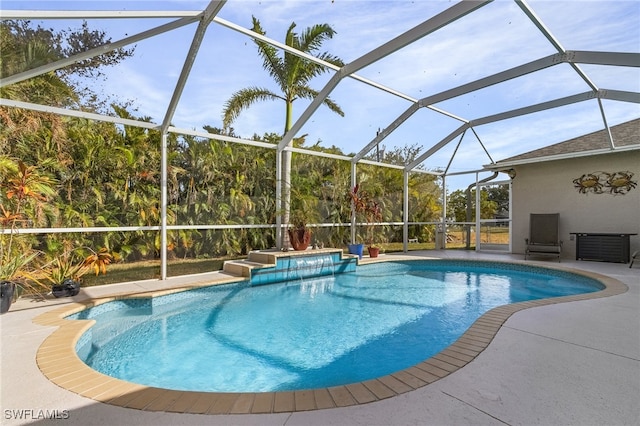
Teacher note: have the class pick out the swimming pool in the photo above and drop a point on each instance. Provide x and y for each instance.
(307, 334)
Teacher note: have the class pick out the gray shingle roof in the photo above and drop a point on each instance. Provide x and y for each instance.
(624, 135)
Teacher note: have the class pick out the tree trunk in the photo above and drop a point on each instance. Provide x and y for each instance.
(286, 179)
(286, 197)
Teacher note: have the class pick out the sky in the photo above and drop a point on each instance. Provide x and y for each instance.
(496, 37)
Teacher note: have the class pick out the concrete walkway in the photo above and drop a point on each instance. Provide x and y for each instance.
(569, 363)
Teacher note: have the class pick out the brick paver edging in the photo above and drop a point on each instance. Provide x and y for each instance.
(59, 362)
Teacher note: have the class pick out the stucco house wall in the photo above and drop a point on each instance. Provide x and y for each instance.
(548, 187)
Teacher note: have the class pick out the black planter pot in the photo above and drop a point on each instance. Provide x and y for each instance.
(68, 288)
(7, 289)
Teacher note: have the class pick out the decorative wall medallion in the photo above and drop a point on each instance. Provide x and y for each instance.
(616, 183)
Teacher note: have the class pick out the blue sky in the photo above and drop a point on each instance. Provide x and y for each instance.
(496, 37)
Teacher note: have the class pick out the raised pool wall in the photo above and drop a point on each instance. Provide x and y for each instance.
(272, 266)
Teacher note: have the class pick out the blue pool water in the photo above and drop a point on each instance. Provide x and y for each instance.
(307, 333)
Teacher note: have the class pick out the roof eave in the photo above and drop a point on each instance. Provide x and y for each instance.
(502, 165)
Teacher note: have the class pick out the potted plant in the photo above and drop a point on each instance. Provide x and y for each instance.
(365, 207)
(373, 215)
(299, 233)
(15, 271)
(65, 271)
(358, 204)
(21, 187)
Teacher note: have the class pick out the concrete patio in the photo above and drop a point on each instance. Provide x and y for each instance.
(567, 363)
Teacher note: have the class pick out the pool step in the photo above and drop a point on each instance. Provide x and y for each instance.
(242, 268)
(267, 266)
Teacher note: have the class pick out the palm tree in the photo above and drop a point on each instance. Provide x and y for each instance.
(292, 74)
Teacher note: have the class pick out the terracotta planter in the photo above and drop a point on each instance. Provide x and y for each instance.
(300, 238)
(373, 251)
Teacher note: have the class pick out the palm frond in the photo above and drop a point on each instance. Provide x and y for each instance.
(243, 99)
(309, 93)
(269, 54)
(292, 73)
(313, 37)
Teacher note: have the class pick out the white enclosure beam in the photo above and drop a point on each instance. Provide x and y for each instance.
(539, 24)
(315, 104)
(307, 56)
(625, 96)
(16, 78)
(590, 57)
(455, 151)
(486, 151)
(318, 153)
(515, 72)
(442, 19)
(619, 95)
(534, 108)
(619, 59)
(205, 19)
(193, 17)
(376, 163)
(500, 77)
(383, 88)
(405, 211)
(354, 182)
(547, 33)
(279, 221)
(274, 43)
(430, 25)
(387, 131)
(435, 148)
(79, 114)
(175, 130)
(607, 129)
(225, 138)
(164, 159)
(96, 14)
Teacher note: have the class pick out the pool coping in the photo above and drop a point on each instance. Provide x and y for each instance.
(57, 360)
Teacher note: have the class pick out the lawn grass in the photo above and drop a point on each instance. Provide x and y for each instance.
(150, 269)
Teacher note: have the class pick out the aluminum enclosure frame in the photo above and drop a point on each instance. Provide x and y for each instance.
(208, 16)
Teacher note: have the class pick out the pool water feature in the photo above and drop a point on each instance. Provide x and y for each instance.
(272, 266)
(307, 267)
(308, 333)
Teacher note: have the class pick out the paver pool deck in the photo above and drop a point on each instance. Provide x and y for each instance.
(576, 362)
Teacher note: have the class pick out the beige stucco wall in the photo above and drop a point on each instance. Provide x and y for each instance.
(548, 188)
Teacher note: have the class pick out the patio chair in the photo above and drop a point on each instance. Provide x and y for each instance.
(544, 235)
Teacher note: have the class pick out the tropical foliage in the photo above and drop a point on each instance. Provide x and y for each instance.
(23, 193)
(69, 172)
(493, 200)
(368, 208)
(69, 265)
